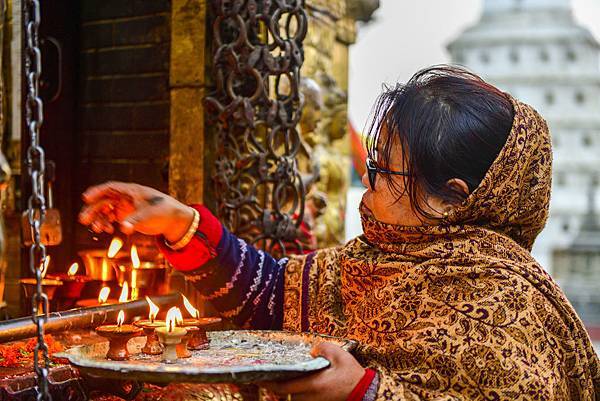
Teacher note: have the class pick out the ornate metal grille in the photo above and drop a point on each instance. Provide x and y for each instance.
(255, 109)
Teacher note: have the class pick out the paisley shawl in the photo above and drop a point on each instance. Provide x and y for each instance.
(461, 310)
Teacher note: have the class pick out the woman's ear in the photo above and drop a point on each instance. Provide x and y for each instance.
(459, 187)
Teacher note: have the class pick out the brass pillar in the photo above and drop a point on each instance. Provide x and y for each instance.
(187, 80)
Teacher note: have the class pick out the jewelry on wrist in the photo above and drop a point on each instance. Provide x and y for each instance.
(188, 235)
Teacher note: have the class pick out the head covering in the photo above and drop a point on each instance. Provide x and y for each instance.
(458, 310)
(513, 198)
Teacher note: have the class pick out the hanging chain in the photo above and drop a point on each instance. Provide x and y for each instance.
(34, 117)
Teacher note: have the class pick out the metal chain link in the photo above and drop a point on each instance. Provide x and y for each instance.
(34, 117)
(255, 108)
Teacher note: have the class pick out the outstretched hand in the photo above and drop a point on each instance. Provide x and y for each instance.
(332, 384)
(135, 208)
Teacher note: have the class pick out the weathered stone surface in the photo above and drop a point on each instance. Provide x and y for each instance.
(188, 42)
(186, 158)
(186, 163)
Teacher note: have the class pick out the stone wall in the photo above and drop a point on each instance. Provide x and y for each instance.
(124, 98)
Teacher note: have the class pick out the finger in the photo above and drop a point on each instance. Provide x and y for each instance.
(333, 353)
(110, 189)
(105, 224)
(91, 212)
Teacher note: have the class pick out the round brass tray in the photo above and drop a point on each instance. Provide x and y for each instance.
(242, 356)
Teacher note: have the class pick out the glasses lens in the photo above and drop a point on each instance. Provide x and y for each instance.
(371, 172)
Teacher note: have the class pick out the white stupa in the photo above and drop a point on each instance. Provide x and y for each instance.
(536, 51)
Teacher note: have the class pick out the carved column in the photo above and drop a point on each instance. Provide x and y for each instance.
(332, 30)
(187, 80)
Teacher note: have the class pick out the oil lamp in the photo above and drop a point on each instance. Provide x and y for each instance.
(170, 336)
(197, 325)
(72, 282)
(103, 295)
(182, 347)
(49, 286)
(152, 346)
(101, 300)
(118, 335)
(124, 293)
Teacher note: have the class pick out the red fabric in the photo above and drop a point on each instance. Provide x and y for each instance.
(363, 385)
(198, 251)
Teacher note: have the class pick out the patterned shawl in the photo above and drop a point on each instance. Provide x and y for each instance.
(459, 310)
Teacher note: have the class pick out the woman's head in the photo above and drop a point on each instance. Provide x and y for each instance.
(442, 129)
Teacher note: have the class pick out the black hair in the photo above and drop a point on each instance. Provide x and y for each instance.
(449, 123)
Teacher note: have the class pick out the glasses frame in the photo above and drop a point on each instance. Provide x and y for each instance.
(373, 169)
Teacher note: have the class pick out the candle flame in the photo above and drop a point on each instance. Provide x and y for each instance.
(153, 309)
(171, 319)
(190, 308)
(178, 316)
(114, 247)
(135, 260)
(103, 295)
(73, 269)
(44, 266)
(120, 318)
(124, 292)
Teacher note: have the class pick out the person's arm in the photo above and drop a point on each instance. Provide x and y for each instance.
(244, 284)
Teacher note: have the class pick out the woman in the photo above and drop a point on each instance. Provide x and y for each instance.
(441, 290)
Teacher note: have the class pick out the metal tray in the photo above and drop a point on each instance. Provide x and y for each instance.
(242, 356)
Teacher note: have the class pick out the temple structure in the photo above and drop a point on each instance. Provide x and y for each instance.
(535, 50)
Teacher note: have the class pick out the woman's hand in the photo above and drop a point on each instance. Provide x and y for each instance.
(136, 208)
(332, 384)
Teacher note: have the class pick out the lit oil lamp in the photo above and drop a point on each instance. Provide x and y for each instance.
(103, 296)
(103, 299)
(118, 335)
(170, 336)
(124, 297)
(135, 262)
(198, 339)
(152, 346)
(72, 282)
(182, 347)
(100, 264)
(49, 286)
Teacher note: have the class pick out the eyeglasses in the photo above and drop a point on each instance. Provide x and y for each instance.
(372, 171)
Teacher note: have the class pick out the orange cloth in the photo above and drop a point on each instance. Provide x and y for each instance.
(460, 310)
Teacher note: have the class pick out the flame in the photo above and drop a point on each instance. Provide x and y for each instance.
(73, 269)
(44, 266)
(124, 292)
(171, 319)
(178, 316)
(135, 260)
(114, 247)
(190, 308)
(103, 295)
(153, 309)
(120, 318)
